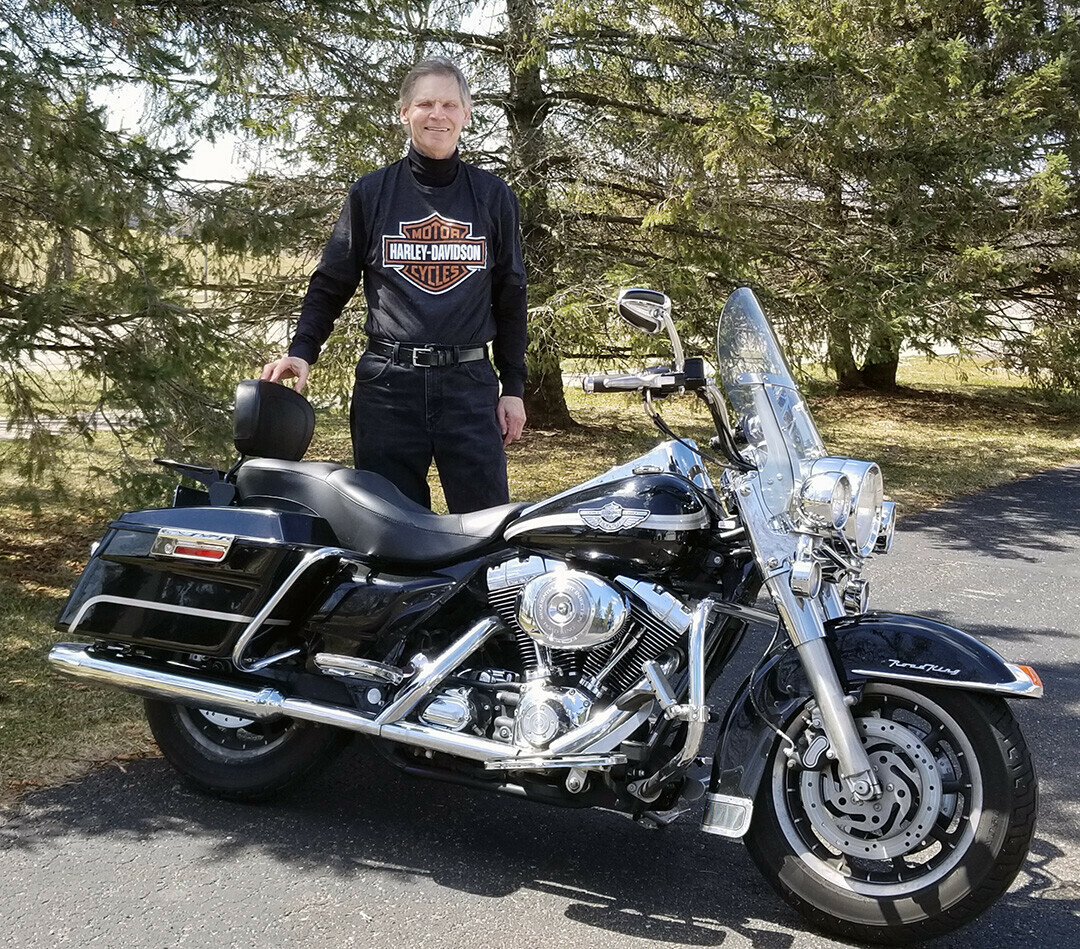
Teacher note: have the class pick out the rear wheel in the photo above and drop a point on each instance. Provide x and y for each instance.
(946, 838)
(239, 758)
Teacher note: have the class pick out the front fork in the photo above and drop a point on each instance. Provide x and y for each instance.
(807, 632)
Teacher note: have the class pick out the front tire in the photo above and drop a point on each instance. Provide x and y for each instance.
(944, 842)
(237, 758)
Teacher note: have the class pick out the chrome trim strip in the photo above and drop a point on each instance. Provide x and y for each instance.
(1020, 688)
(658, 523)
(155, 605)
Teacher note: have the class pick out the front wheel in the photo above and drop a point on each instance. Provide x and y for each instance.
(238, 758)
(946, 838)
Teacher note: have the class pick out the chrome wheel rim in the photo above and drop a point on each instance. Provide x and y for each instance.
(918, 747)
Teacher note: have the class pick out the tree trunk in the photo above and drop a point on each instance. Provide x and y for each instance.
(526, 111)
(882, 359)
(840, 358)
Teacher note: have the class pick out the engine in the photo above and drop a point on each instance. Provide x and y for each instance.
(581, 639)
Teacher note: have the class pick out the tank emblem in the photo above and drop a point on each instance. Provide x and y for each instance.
(613, 517)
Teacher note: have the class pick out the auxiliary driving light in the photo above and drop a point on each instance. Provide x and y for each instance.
(884, 541)
(825, 499)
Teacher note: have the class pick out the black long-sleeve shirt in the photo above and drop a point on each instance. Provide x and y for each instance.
(437, 246)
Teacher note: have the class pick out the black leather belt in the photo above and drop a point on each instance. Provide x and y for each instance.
(406, 354)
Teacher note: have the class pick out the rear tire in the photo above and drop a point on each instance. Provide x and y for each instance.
(237, 758)
(943, 843)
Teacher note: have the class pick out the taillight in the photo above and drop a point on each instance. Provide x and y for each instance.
(192, 545)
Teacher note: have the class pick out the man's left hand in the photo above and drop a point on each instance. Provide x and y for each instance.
(511, 415)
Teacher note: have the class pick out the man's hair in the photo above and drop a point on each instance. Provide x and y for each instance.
(436, 66)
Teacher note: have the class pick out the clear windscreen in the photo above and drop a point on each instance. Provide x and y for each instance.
(767, 404)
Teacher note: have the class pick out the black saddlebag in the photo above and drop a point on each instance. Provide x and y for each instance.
(191, 579)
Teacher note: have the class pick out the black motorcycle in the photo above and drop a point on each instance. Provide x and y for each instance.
(564, 651)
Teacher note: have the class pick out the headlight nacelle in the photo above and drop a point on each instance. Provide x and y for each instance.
(824, 491)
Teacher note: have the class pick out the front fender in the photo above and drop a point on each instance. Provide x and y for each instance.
(896, 646)
(872, 647)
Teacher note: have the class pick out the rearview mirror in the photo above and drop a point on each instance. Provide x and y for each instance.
(646, 310)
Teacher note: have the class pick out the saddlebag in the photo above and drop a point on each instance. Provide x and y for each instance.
(192, 579)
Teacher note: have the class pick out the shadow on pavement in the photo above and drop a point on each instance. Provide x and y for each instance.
(362, 821)
(1024, 520)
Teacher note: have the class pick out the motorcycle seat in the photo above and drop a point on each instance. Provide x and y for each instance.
(367, 513)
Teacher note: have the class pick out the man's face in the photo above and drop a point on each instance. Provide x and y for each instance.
(435, 115)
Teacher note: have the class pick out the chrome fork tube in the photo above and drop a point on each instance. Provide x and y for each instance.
(804, 626)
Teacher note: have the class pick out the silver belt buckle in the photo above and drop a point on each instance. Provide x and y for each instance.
(417, 350)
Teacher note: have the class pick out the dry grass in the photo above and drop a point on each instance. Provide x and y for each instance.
(953, 430)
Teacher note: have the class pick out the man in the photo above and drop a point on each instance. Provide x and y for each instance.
(436, 243)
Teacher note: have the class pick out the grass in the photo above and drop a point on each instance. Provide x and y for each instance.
(953, 428)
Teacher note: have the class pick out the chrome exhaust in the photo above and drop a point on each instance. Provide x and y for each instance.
(75, 660)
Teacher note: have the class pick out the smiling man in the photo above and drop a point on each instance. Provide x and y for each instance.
(436, 243)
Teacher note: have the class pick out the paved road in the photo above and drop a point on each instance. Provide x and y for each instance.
(364, 857)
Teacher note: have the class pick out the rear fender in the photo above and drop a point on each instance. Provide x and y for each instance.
(872, 647)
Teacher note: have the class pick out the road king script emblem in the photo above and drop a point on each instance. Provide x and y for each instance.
(613, 517)
(922, 667)
(435, 254)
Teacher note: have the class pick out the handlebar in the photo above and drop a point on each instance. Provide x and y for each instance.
(635, 382)
(659, 381)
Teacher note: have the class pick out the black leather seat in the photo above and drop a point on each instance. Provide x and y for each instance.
(367, 513)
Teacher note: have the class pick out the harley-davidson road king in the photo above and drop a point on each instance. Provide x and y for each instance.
(564, 651)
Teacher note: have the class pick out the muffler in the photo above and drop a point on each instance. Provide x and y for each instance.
(75, 660)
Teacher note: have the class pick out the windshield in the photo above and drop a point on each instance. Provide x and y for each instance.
(768, 406)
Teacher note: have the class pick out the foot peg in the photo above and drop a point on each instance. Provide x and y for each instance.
(351, 666)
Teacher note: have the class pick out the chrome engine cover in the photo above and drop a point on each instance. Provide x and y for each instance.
(546, 712)
(571, 609)
(452, 709)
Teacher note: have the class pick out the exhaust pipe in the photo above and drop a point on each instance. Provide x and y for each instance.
(75, 660)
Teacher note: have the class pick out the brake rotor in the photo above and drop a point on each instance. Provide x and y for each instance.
(897, 822)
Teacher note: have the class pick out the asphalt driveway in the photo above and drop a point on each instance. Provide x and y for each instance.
(364, 857)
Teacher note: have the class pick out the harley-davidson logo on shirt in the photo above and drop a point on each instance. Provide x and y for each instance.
(435, 254)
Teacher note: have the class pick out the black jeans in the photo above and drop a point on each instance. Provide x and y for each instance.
(403, 417)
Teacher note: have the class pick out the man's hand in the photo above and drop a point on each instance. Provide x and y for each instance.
(511, 415)
(289, 367)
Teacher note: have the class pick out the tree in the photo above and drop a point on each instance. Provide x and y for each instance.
(885, 173)
(905, 141)
(103, 244)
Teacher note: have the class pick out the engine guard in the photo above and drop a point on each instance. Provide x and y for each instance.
(872, 647)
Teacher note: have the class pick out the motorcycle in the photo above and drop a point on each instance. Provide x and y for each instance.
(564, 651)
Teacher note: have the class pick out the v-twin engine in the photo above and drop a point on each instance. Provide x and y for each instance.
(581, 640)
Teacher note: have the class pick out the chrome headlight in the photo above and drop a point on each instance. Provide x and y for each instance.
(867, 498)
(825, 499)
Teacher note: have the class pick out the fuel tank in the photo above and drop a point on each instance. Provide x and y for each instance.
(646, 521)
